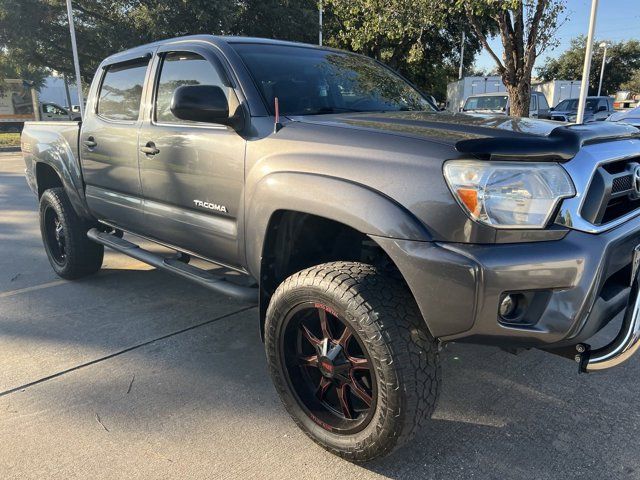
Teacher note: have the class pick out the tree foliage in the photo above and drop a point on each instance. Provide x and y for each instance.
(623, 61)
(10, 68)
(633, 84)
(295, 20)
(417, 38)
(36, 32)
(526, 28)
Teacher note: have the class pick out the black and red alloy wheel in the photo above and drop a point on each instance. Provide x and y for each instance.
(328, 368)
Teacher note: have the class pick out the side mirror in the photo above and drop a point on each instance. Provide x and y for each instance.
(551, 109)
(201, 103)
(602, 108)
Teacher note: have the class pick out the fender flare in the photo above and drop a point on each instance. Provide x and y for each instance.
(54, 151)
(357, 206)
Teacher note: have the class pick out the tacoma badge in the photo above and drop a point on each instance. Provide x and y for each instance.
(211, 206)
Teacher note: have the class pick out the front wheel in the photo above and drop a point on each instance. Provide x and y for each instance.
(351, 358)
(64, 234)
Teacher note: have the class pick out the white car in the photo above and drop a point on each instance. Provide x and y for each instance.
(632, 117)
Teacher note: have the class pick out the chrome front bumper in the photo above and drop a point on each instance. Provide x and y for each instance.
(626, 342)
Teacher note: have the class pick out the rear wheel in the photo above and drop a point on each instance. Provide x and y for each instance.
(64, 234)
(351, 358)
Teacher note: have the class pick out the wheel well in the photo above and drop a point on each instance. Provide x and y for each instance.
(46, 178)
(295, 241)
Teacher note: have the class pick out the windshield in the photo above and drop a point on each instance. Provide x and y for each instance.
(497, 102)
(571, 104)
(309, 81)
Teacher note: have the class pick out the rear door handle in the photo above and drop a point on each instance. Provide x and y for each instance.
(90, 142)
(150, 149)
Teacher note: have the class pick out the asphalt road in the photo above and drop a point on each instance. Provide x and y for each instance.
(133, 373)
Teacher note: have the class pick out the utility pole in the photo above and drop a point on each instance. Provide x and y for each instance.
(76, 60)
(584, 86)
(320, 23)
(461, 56)
(604, 45)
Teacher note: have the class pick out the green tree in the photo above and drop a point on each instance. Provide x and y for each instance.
(9, 68)
(526, 28)
(295, 20)
(623, 61)
(633, 84)
(417, 38)
(36, 32)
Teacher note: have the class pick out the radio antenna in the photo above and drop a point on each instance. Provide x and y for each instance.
(277, 125)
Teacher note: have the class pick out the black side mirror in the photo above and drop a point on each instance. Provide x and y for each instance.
(201, 103)
(602, 108)
(551, 109)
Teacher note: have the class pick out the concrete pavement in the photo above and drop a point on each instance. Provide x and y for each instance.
(133, 373)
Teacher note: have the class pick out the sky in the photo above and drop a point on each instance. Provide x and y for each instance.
(616, 20)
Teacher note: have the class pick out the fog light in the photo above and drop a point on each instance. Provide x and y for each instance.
(508, 306)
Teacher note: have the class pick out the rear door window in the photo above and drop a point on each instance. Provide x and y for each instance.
(121, 91)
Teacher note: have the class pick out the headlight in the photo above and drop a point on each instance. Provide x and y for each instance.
(508, 194)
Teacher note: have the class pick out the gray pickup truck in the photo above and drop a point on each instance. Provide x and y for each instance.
(371, 227)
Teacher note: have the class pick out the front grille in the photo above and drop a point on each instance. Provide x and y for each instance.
(612, 193)
(621, 184)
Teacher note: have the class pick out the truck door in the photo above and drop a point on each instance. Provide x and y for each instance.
(109, 145)
(533, 106)
(192, 173)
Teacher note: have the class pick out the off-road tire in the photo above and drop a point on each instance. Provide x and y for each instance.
(381, 310)
(81, 256)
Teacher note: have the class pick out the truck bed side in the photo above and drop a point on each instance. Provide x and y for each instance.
(50, 152)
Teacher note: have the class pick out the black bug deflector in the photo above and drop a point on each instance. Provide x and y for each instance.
(561, 145)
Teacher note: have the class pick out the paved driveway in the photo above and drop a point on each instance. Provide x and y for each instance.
(133, 373)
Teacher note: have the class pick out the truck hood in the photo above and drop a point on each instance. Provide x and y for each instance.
(484, 136)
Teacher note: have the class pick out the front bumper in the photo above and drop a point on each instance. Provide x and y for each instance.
(581, 282)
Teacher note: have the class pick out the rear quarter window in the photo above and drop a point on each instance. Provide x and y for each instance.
(121, 91)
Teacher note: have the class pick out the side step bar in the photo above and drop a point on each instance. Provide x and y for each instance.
(173, 265)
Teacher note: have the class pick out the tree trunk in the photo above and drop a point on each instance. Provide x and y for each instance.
(519, 99)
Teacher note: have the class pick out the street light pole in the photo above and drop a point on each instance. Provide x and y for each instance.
(76, 60)
(584, 86)
(604, 60)
(461, 56)
(320, 23)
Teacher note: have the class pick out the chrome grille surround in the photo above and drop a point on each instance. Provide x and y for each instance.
(582, 169)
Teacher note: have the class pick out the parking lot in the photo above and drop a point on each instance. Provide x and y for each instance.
(133, 373)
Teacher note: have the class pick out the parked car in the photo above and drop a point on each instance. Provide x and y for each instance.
(631, 117)
(50, 111)
(371, 228)
(498, 104)
(596, 109)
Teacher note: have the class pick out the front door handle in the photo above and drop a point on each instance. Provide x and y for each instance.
(150, 149)
(90, 142)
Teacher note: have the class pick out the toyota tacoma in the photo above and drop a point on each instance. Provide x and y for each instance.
(372, 228)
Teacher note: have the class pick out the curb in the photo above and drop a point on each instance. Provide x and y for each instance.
(9, 149)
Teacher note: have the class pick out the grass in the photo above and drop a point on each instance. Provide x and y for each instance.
(9, 139)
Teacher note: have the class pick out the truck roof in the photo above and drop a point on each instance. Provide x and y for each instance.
(214, 40)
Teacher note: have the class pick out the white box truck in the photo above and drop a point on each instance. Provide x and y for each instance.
(558, 90)
(458, 91)
(18, 104)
